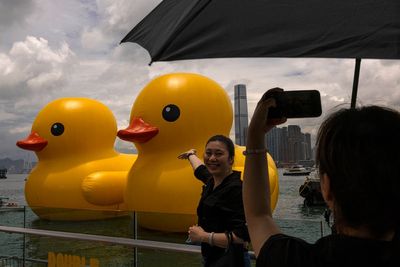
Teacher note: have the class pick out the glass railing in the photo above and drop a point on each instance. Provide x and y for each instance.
(120, 241)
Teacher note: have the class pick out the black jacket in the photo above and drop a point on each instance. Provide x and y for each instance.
(221, 210)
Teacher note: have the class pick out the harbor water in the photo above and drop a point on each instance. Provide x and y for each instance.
(292, 215)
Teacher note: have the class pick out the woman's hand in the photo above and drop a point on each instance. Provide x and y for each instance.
(197, 234)
(190, 155)
(185, 155)
(260, 123)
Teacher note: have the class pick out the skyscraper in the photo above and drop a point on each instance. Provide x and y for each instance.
(241, 114)
(295, 143)
(288, 145)
(307, 141)
(273, 139)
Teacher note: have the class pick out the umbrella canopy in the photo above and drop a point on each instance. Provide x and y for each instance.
(193, 29)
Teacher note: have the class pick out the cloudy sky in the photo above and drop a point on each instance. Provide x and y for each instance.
(52, 48)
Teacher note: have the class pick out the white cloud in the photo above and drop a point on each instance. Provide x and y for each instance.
(94, 40)
(52, 49)
(38, 49)
(6, 65)
(43, 79)
(34, 64)
(124, 14)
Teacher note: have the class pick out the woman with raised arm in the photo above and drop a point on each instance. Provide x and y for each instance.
(220, 210)
(358, 154)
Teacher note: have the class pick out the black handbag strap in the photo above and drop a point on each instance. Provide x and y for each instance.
(229, 236)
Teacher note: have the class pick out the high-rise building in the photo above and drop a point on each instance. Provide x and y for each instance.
(273, 138)
(295, 143)
(288, 145)
(241, 114)
(283, 145)
(308, 151)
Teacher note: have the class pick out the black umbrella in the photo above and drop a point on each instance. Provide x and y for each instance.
(193, 29)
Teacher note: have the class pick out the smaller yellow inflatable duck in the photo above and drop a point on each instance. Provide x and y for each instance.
(79, 175)
(172, 114)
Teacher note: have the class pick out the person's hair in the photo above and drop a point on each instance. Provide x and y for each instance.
(228, 143)
(359, 150)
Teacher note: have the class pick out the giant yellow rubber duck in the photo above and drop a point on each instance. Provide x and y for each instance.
(79, 175)
(172, 114)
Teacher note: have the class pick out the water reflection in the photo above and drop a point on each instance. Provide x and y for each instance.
(311, 212)
(108, 255)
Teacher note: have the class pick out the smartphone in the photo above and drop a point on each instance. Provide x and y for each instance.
(296, 104)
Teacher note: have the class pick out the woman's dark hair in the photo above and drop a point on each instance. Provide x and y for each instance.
(227, 141)
(359, 150)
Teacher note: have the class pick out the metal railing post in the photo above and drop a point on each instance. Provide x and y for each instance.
(135, 236)
(322, 228)
(24, 240)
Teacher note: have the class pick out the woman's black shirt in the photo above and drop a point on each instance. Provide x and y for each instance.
(330, 251)
(220, 209)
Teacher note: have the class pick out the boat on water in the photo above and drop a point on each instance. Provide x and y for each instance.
(310, 190)
(3, 173)
(297, 170)
(5, 205)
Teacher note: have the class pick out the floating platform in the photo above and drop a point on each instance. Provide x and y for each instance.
(9, 206)
(310, 190)
(297, 170)
(9, 209)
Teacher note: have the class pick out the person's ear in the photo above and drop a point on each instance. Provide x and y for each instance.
(326, 191)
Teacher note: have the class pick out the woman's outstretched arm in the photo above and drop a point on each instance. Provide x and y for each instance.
(190, 155)
(256, 191)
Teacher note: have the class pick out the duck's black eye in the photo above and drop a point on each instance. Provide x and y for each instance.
(171, 112)
(57, 129)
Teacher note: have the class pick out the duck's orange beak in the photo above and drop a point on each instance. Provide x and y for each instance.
(33, 142)
(138, 131)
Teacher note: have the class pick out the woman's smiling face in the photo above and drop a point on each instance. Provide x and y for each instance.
(217, 159)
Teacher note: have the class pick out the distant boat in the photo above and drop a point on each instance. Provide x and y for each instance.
(311, 191)
(5, 205)
(3, 173)
(297, 170)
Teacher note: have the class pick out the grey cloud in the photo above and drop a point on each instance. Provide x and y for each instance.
(132, 53)
(114, 74)
(15, 12)
(116, 19)
(8, 147)
(125, 14)
(36, 75)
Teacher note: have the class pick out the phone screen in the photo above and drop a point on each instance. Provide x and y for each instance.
(296, 104)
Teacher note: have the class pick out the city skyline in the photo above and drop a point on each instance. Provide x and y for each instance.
(286, 145)
(289, 145)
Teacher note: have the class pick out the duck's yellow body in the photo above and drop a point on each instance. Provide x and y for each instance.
(172, 114)
(79, 175)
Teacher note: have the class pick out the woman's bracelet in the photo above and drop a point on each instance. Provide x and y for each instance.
(255, 151)
(211, 239)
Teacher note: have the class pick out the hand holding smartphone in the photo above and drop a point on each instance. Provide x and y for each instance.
(296, 104)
